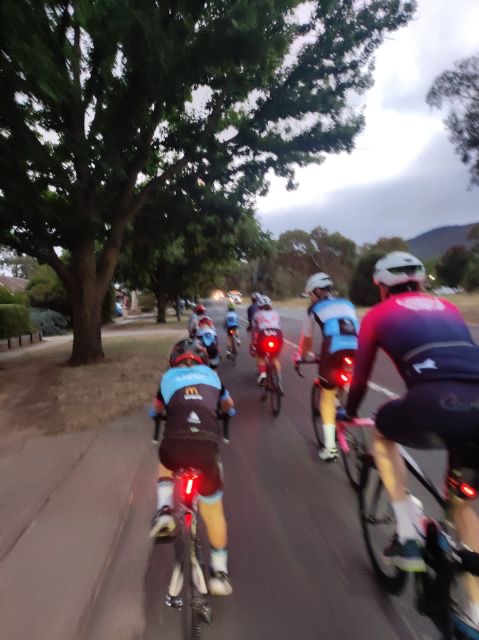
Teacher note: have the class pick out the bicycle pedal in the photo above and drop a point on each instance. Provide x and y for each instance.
(175, 602)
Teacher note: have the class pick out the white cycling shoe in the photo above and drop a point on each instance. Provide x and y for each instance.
(328, 454)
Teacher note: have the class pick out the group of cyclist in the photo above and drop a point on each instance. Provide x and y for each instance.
(431, 346)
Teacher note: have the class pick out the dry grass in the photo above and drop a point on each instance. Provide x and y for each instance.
(41, 392)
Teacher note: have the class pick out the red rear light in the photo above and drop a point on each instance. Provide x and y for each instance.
(271, 344)
(348, 361)
(344, 378)
(189, 486)
(467, 490)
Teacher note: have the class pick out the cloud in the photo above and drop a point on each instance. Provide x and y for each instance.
(433, 192)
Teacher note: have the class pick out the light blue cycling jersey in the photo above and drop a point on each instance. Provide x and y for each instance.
(338, 321)
(231, 320)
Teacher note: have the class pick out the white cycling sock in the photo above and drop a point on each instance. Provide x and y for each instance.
(329, 436)
(164, 493)
(219, 560)
(404, 525)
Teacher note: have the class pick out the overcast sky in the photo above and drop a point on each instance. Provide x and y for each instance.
(403, 178)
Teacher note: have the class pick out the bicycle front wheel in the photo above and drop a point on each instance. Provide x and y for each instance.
(274, 390)
(352, 459)
(315, 414)
(378, 525)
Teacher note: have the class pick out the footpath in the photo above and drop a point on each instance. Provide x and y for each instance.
(75, 512)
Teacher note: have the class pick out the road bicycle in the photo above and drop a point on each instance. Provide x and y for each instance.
(187, 590)
(438, 590)
(271, 342)
(233, 333)
(355, 438)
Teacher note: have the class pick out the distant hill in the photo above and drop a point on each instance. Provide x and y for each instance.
(434, 243)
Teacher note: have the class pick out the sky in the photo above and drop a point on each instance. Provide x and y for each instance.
(403, 177)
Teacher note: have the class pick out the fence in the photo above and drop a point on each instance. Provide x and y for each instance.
(20, 341)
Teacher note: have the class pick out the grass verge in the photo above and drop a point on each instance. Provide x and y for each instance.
(41, 392)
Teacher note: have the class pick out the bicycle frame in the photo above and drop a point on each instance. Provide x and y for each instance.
(443, 554)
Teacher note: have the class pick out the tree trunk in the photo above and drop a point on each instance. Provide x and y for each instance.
(87, 311)
(161, 306)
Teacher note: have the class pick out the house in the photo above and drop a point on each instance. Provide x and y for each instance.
(14, 285)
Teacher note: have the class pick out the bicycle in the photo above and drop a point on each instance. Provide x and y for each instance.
(444, 554)
(187, 589)
(351, 454)
(233, 333)
(271, 385)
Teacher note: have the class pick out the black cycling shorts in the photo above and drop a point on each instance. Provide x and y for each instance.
(179, 454)
(269, 341)
(330, 366)
(432, 415)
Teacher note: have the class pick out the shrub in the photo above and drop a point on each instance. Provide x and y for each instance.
(7, 297)
(363, 291)
(146, 300)
(46, 291)
(49, 322)
(14, 320)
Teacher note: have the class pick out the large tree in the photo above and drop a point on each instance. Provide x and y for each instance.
(459, 88)
(104, 102)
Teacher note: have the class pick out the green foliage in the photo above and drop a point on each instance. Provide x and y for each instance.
(393, 243)
(452, 266)
(20, 266)
(49, 322)
(7, 297)
(146, 300)
(105, 103)
(45, 290)
(14, 320)
(363, 291)
(470, 280)
(460, 89)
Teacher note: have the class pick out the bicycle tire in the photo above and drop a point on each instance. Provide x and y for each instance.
(378, 526)
(315, 414)
(352, 459)
(191, 622)
(274, 390)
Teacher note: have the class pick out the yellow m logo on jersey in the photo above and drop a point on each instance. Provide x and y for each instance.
(191, 391)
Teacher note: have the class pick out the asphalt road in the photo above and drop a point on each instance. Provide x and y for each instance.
(297, 559)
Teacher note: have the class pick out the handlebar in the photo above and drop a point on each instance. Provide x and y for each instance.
(298, 364)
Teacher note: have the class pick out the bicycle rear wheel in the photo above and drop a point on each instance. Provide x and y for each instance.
(234, 349)
(274, 391)
(378, 525)
(315, 415)
(191, 620)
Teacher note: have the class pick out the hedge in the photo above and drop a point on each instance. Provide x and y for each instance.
(14, 320)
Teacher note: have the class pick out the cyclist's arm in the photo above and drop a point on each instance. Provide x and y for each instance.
(226, 401)
(159, 403)
(363, 364)
(306, 341)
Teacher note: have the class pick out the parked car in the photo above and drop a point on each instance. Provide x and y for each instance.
(119, 308)
(235, 296)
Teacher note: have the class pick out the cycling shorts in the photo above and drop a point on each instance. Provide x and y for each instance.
(269, 341)
(331, 365)
(432, 415)
(204, 456)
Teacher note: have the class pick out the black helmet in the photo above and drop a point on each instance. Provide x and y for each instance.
(188, 350)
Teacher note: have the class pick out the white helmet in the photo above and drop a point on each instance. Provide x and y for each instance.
(318, 281)
(263, 301)
(398, 267)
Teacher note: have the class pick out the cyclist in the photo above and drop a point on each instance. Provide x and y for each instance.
(339, 326)
(198, 312)
(252, 309)
(265, 321)
(231, 325)
(191, 393)
(206, 333)
(430, 344)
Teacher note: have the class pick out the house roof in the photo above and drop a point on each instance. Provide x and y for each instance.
(15, 285)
